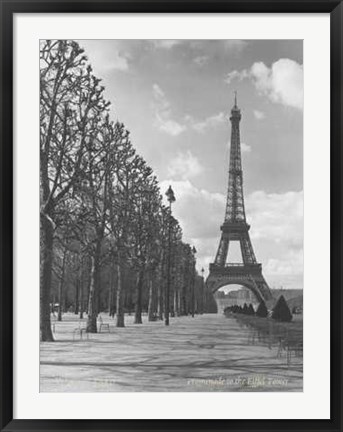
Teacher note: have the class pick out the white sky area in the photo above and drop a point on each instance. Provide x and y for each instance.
(175, 98)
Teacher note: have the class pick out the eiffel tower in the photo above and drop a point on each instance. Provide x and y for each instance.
(235, 228)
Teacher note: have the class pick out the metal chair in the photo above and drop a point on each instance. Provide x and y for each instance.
(103, 325)
(80, 330)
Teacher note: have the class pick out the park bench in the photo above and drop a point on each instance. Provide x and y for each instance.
(103, 325)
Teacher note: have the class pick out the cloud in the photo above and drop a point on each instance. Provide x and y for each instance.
(106, 56)
(277, 235)
(163, 120)
(281, 83)
(235, 44)
(165, 43)
(210, 122)
(200, 60)
(277, 216)
(286, 271)
(184, 166)
(245, 148)
(170, 127)
(119, 61)
(236, 75)
(199, 211)
(259, 115)
(160, 97)
(292, 263)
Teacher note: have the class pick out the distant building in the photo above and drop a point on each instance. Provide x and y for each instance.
(235, 297)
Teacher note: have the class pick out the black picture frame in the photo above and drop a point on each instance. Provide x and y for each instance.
(8, 9)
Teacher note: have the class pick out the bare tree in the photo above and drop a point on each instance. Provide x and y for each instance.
(122, 207)
(70, 96)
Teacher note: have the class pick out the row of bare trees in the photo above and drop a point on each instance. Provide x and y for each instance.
(103, 226)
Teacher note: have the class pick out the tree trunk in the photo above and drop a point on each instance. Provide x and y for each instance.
(112, 306)
(77, 291)
(110, 292)
(151, 304)
(183, 300)
(98, 300)
(176, 302)
(45, 279)
(160, 294)
(81, 287)
(120, 297)
(60, 288)
(172, 295)
(167, 290)
(81, 310)
(138, 305)
(110, 298)
(92, 313)
(89, 264)
(60, 299)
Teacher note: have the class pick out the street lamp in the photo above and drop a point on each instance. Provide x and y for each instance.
(193, 284)
(171, 198)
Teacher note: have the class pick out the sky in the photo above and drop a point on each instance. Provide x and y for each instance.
(175, 98)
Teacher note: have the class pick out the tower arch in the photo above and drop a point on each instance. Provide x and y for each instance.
(246, 284)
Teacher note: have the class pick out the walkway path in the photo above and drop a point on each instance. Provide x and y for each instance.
(205, 353)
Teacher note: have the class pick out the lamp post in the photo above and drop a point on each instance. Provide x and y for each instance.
(203, 291)
(171, 198)
(193, 284)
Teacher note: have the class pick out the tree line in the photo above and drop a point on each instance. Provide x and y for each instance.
(280, 311)
(104, 230)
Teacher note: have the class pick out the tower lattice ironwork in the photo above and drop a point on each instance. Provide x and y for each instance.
(235, 228)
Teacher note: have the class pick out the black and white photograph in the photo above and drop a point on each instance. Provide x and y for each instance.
(171, 215)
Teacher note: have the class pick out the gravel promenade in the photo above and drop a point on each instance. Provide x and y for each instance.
(205, 353)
